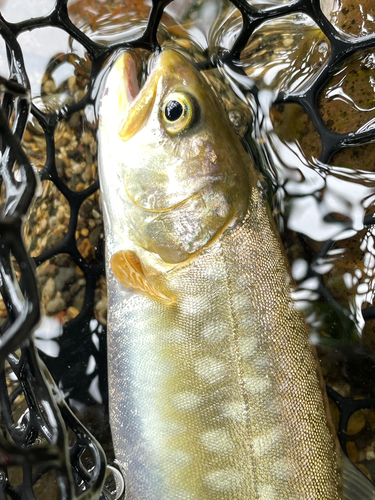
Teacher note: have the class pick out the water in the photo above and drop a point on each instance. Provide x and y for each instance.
(313, 201)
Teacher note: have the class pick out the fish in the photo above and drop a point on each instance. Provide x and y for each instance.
(214, 389)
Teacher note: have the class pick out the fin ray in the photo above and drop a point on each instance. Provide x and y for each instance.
(127, 269)
(356, 486)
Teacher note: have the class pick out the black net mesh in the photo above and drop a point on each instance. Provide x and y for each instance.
(43, 446)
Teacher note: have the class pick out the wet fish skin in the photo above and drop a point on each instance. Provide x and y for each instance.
(214, 393)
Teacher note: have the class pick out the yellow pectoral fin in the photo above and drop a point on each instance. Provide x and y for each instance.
(127, 269)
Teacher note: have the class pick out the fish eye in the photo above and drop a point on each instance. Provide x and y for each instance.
(177, 112)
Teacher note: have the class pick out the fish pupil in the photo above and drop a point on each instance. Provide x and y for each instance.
(173, 110)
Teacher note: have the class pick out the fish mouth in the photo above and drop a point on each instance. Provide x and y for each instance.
(127, 70)
(134, 106)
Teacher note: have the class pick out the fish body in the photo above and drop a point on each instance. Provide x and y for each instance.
(215, 392)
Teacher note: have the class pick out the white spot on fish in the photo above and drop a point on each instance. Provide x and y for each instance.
(187, 401)
(217, 441)
(263, 443)
(171, 428)
(179, 458)
(283, 468)
(194, 305)
(241, 300)
(234, 410)
(247, 346)
(215, 332)
(210, 369)
(226, 480)
(257, 384)
(175, 336)
(267, 492)
(180, 494)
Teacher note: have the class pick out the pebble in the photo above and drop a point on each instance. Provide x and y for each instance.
(64, 275)
(87, 250)
(86, 138)
(101, 310)
(335, 414)
(54, 238)
(365, 470)
(3, 310)
(342, 388)
(62, 260)
(72, 85)
(87, 175)
(356, 423)
(352, 451)
(71, 313)
(54, 222)
(55, 306)
(49, 87)
(74, 289)
(79, 299)
(78, 168)
(48, 290)
(95, 235)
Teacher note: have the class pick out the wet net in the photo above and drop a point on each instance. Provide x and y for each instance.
(43, 445)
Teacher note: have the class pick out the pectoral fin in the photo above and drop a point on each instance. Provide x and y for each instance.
(127, 269)
(356, 486)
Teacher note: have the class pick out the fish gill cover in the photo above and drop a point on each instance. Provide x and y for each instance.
(44, 447)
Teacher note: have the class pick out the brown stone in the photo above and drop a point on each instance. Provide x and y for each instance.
(356, 423)
(87, 250)
(352, 451)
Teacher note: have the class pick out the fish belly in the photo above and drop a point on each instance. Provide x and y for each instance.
(218, 396)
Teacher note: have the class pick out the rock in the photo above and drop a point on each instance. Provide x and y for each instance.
(72, 312)
(100, 310)
(56, 305)
(62, 259)
(365, 470)
(48, 290)
(356, 423)
(73, 290)
(335, 414)
(66, 296)
(79, 299)
(95, 235)
(54, 222)
(342, 388)
(55, 237)
(352, 451)
(87, 250)
(64, 275)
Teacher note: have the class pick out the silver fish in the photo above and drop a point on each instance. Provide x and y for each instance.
(215, 392)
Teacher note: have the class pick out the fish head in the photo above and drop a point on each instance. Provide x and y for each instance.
(171, 165)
